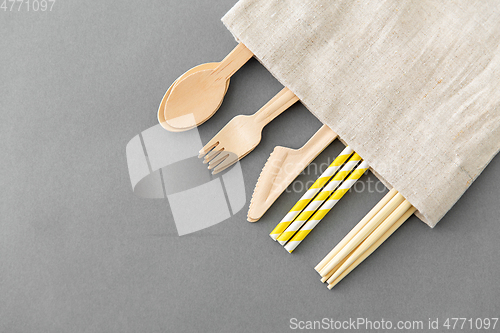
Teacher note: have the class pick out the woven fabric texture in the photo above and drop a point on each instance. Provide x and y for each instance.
(412, 86)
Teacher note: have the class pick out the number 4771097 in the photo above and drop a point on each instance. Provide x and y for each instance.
(27, 5)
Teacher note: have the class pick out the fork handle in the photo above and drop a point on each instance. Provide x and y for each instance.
(279, 103)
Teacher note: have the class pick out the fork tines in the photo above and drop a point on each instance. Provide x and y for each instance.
(218, 159)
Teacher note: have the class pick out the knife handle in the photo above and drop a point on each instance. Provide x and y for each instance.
(319, 141)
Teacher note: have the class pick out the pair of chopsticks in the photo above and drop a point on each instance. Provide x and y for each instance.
(385, 218)
(313, 206)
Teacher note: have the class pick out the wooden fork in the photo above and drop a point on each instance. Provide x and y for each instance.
(243, 133)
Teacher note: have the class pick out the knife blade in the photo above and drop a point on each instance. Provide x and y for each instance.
(282, 167)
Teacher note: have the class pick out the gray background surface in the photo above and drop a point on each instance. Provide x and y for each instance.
(79, 252)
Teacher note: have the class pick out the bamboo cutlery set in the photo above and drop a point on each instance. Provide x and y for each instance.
(196, 95)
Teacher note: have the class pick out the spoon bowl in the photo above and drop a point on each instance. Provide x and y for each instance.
(161, 110)
(194, 99)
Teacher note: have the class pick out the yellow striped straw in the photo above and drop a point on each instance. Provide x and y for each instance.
(319, 199)
(325, 208)
(315, 188)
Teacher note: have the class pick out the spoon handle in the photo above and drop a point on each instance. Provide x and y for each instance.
(279, 103)
(232, 62)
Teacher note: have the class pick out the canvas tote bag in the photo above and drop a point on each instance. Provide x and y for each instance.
(412, 86)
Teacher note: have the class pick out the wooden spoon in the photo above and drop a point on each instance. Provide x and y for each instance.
(161, 109)
(194, 99)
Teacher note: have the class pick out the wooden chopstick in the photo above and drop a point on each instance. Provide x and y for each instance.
(356, 229)
(364, 231)
(372, 238)
(385, 218)
(373, 246)
(327, 276)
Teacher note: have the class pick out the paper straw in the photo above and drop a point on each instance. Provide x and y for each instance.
(327, 206)
(319, 199)
(315, 188)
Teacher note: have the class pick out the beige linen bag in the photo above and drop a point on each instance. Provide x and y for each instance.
(412, 86)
